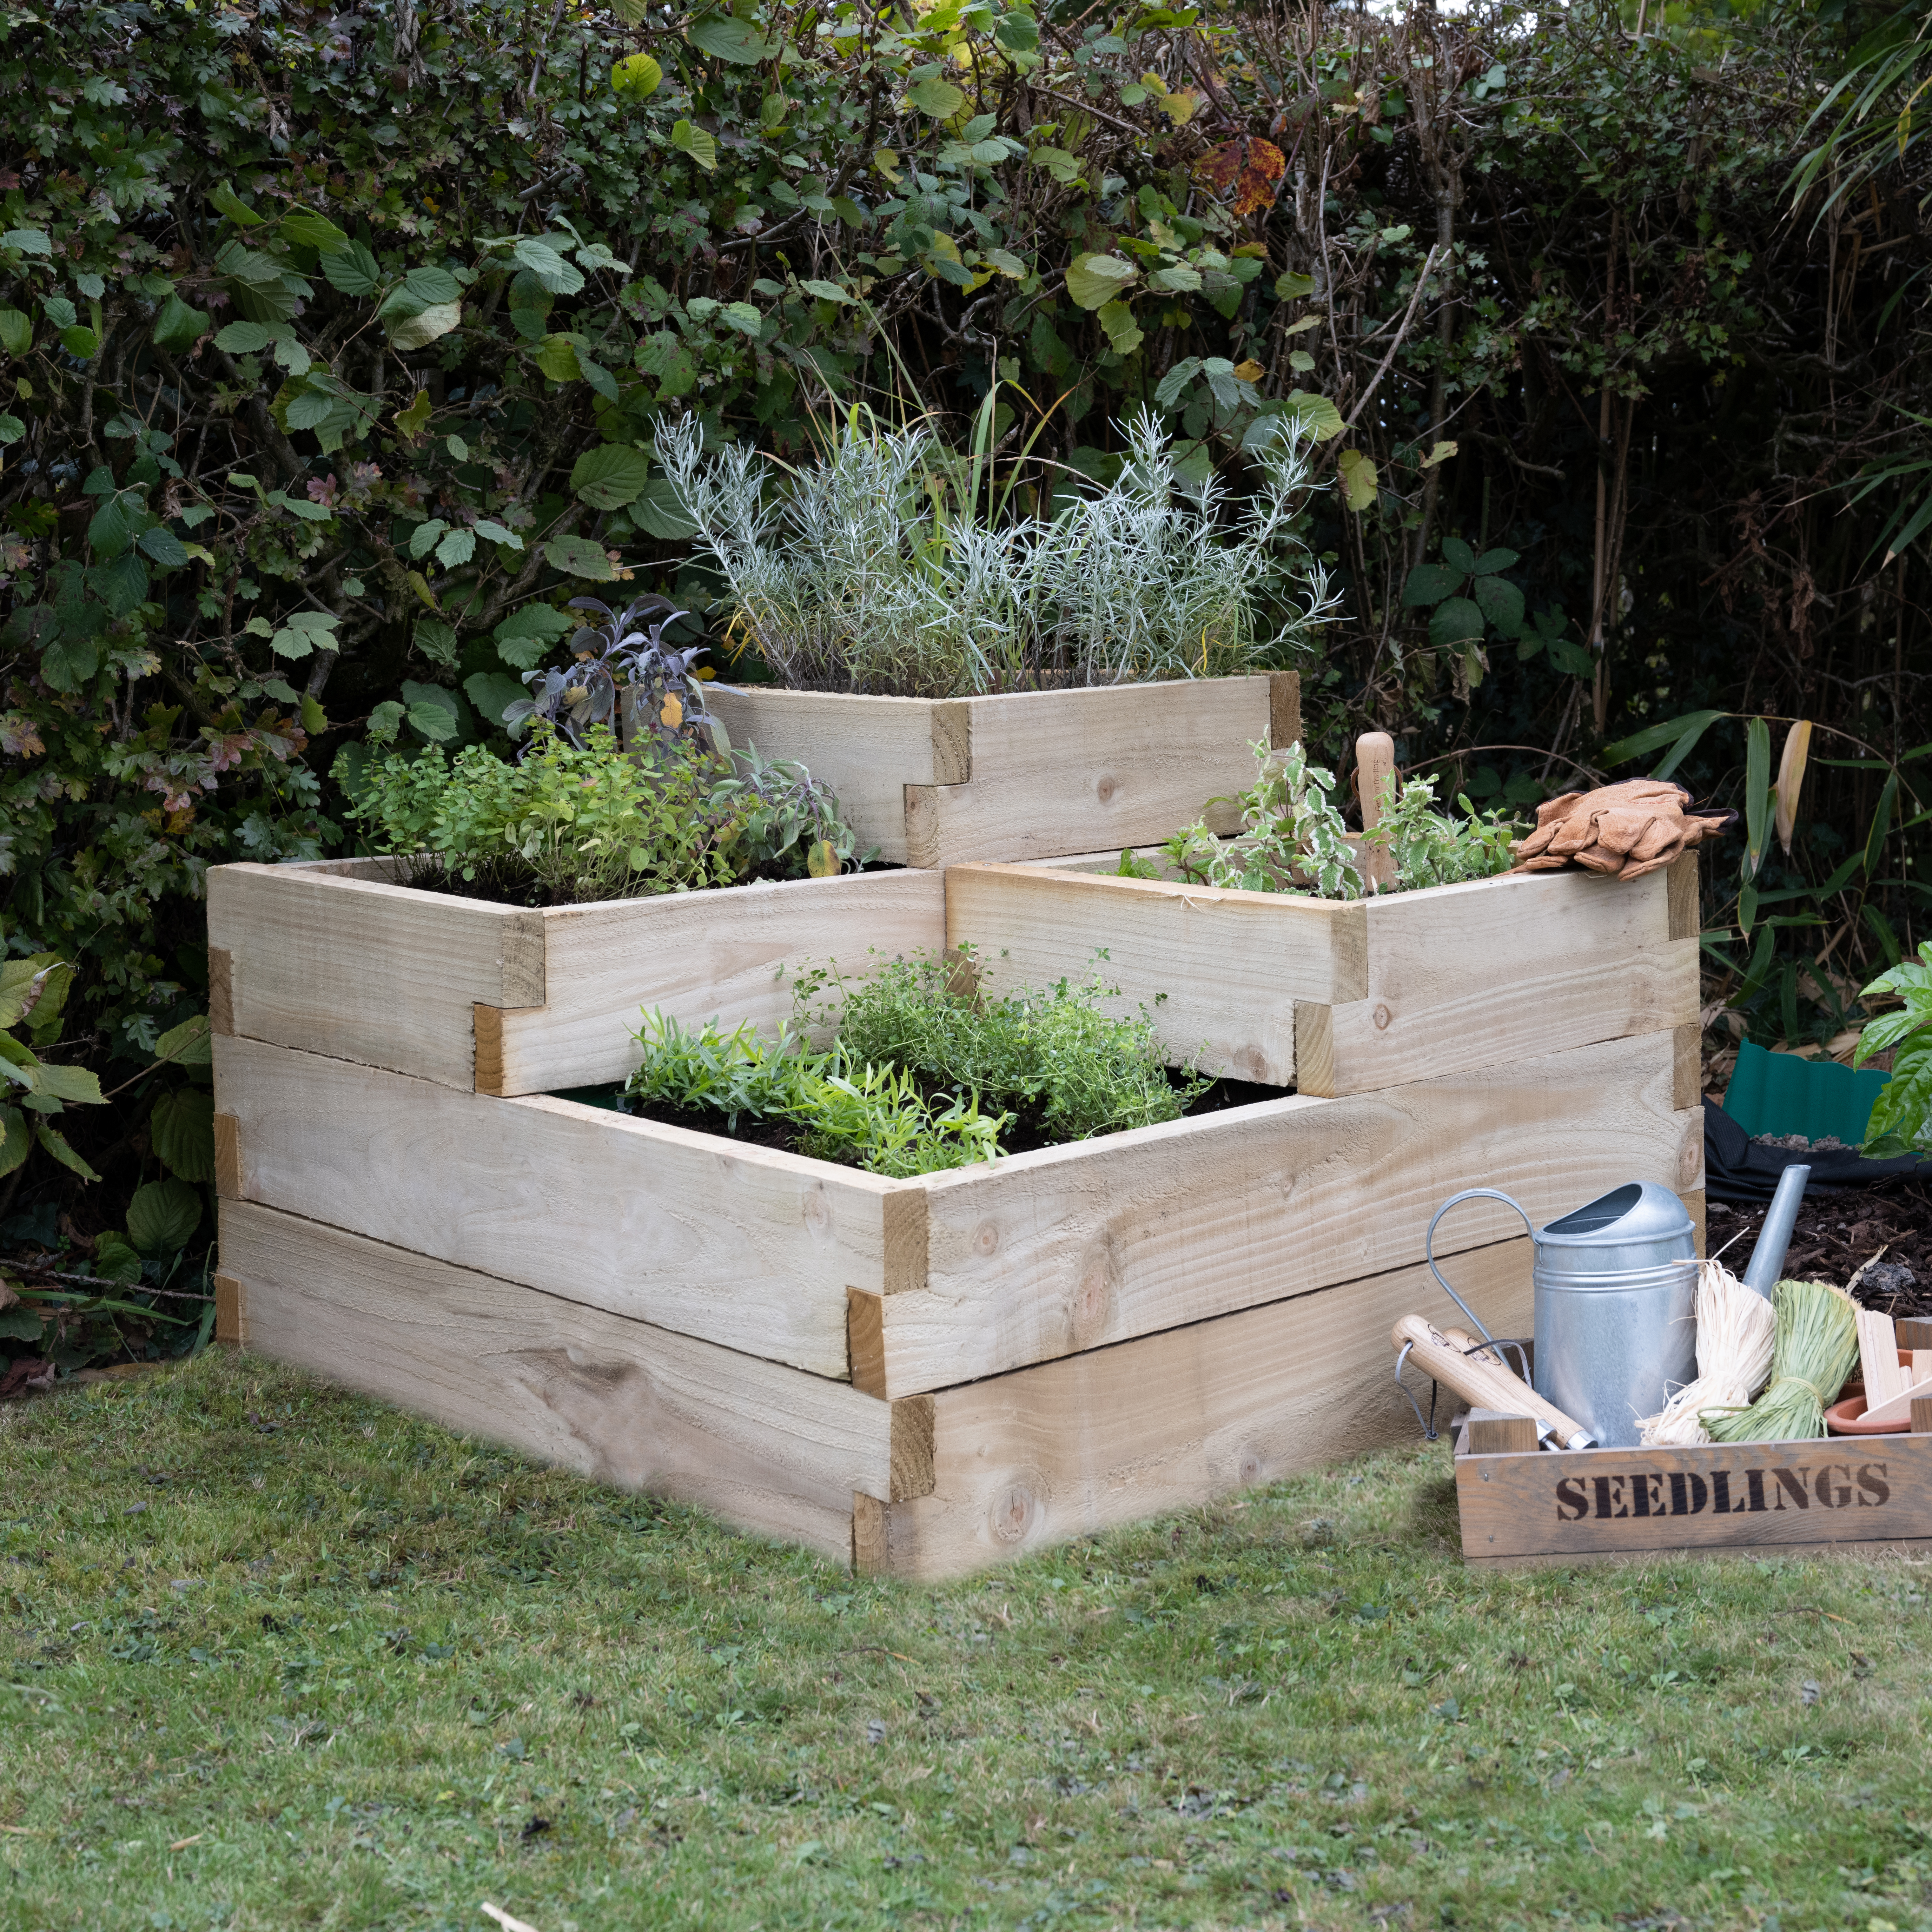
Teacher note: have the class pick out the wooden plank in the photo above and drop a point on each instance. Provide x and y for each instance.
(1921, 1415)
(1374, 774)
(742, 1245)
(867, 749)
(231, 1313)
(1043, 1254)
(1914, 1331)
(1489, 1432)
(1344, 999)
(1687, 919)
(227, 1156)
(364, 971)
(1687, 1043)
(1225, 967)
(1748, 1495)
(1117, 1434)
(733, 954)
(767, 1448)
(1079, 770)
(1284, 709)
(220, 990)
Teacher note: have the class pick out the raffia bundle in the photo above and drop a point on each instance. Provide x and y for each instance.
(1816, 1348)
(1735, 1326)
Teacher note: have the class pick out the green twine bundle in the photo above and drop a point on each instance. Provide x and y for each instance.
(1815, 1348)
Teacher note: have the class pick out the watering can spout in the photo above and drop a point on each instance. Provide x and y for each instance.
(1767, 1260)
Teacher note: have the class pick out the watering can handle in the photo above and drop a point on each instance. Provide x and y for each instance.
(1429, 1245)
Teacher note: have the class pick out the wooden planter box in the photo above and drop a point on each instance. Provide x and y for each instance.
(1352, 998)
(333, 958)
(1032, 775)
(1082, 1334)
(1855, 1491)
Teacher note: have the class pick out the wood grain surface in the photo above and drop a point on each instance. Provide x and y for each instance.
(766, 1447)
(1117, 1434)
(1744, 1496)
(741, 1245)
(1045, 1254)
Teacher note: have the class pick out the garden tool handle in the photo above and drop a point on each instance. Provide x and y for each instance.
(1484, 1384)
(1429, 1245)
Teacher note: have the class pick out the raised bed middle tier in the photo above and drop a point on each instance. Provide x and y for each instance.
(1029, 774)
(335, 958)
(906, 1286)
(1339, 998)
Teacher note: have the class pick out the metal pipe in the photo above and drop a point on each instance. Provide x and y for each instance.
(1767, 1260)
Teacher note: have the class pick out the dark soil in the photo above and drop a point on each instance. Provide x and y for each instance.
(1023, 1137)
(1836, 1237)
(509, 886)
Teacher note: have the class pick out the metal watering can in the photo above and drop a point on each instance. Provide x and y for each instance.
(1615, 1282)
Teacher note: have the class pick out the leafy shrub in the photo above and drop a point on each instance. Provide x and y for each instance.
(876, 570)
(918, 1057)
(1901, 1118)
(1052, 1058)
(574, 822)
(1293, 838)
(873, 1117)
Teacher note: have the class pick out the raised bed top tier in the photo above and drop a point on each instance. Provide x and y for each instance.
(1029, 774)
(334, 958)
(1347, 998)
(910, 1285)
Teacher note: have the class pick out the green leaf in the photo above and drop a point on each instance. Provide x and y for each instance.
(492, 692)
(115, 1261)
(500, 533)
(79, 1085)
(524, 637)
(599, 378)
(1094, 280)
(190, 1044)
(27, 241)
(56, 1144)
(1692, 726)
(67, 663)
(166, 548)
(1757, 794)
(307, 229)
(695, 142)
(724, 38)
(352, 271)
(659, 512)
(81, 342)
(744, 316)
(1123, 333)
(419, 331)
(1501, 601)
(608, 477)
(433, 287)
(1459, 556)
(556, 355)
(826, 291)
(309, 409)
(1292, 287)
(578, 557)
(457, 547)
(243, 338)
(11, 428)
(1881, 818)
(1358, 477)
(231, 205)
(177, 326)
(636, 77)
(1455, 622)
(162, 1216)
(112, 527)
(436, 640)
(1017, 32)
(1430, 584)
(180, 1130)
(16, 1140)
(942, 101)
(1491, 561)
(1315, 413)
(17, 331)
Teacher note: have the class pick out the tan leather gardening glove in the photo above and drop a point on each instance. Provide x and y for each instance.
(1625, 830)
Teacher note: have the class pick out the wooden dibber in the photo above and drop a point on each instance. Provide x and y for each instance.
(1483, 1384)
(1375, 773)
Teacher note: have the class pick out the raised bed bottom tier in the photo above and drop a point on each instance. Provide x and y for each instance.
(925, 1487)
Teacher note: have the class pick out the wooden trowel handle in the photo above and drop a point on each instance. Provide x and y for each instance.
(1483, 1384)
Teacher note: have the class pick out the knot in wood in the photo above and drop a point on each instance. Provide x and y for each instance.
(1382, 1017)
(986, 1239)
(1014, 1513)
(1105, 788)
(816, 1212)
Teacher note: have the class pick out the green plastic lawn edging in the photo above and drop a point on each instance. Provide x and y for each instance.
(1780, 1093)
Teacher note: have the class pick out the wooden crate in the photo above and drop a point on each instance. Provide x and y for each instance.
(930, 781)
(1352, 998)
(908, 1286)
(1843, 1492)
(334, 958)
(923, 1487)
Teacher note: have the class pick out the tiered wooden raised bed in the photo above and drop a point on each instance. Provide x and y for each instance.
(925, 1375)
(1031, 774)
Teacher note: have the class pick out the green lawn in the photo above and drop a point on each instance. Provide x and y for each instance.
(277, 1657)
